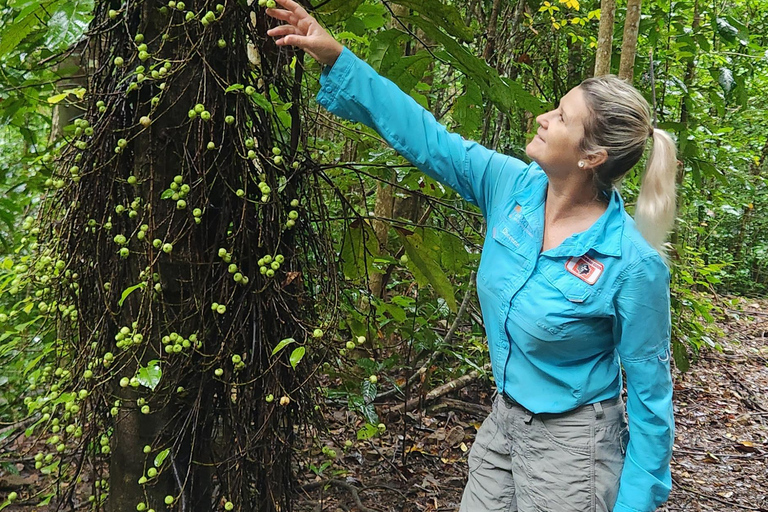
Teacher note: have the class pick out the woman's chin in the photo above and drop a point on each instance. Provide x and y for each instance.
(530, 151)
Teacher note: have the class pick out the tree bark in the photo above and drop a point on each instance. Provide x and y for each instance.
(629, 44)
(605, 37)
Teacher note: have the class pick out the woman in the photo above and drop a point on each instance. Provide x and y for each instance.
(570, 289)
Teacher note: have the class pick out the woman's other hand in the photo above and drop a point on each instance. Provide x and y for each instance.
(304, 32)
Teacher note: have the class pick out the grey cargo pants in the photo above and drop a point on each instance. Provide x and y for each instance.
(528, 462)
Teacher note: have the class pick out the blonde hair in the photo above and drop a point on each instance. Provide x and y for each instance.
(620, 124)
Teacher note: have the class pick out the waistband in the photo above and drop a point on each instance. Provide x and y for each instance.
(598, 407)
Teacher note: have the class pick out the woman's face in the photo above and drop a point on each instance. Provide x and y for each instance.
(556, 144)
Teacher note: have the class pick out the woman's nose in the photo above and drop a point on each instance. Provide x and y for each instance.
(543, 120)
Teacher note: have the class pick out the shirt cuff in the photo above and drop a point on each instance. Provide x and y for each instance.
(333, 79)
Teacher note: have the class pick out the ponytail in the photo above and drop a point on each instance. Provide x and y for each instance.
(620, 125)
(655, 210)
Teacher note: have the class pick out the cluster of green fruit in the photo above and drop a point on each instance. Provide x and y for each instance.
(351, 345)
(199, 110)
(178, 192)
(329, 452)
(274, 264)
(127, 337)
(269, 4)
(175, 343)
(265, 189)
(237, 276)
(292, 214)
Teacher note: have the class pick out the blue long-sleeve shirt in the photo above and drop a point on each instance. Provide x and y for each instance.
(560, 323)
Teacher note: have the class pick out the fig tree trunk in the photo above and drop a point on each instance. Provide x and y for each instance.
(179, 246)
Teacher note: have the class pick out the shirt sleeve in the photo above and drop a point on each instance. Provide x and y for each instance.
(353, 90)
(643, 327)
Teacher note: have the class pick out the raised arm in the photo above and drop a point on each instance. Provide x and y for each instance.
(350, 88)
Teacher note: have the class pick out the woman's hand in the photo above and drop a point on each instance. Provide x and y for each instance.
(304, 32)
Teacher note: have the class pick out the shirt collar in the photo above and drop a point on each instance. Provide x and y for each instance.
(603, 237)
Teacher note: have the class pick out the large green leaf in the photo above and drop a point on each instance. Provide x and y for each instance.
(334, 11)
(505, 94)
(150, 375)
(408, 71)
(68, 24)
(443, 15)
(13, 34)
(423, 250)
(385, 49)
(358, 250)
(468, 110)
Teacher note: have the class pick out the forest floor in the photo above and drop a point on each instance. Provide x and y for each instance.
(720, 458)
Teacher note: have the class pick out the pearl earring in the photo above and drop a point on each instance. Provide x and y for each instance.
(581, 163)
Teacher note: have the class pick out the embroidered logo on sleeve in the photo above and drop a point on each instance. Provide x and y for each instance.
(585, 268)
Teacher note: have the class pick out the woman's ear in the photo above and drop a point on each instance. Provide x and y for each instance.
(594, 159)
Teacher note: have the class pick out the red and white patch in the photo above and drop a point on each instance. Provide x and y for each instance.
(585, 268)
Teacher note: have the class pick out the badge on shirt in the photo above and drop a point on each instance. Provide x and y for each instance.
(585, 268)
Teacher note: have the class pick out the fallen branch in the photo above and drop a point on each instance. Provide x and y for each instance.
(461, 406)
(440, 391)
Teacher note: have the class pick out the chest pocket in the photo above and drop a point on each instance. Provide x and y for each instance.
(504, 265)
(567, 307)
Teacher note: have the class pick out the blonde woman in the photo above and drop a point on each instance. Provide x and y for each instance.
(571, 287)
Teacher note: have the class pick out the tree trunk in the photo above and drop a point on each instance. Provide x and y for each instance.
(629, 44)
(188, 285)
(605, 37)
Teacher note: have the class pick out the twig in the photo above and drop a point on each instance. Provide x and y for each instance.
(338, 483)
(719, 500)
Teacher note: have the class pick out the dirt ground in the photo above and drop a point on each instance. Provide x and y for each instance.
(719, 461)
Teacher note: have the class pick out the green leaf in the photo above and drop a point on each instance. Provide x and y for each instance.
(234, 87)
(386, 49)
(367, 432)
(408, 71)
(726, 80)
(150, 375)
(13, 34)
(297, 355)
(445, 16)
(129, 291)
(468, 111)
(359, 248)
(167, 194)
(506, 94)
(680, 355)
(68, 24)
(284, 343)
(160, 458)
(422, 262)
(334, 11)
(453, 254)
(368, 389)
(261, 101)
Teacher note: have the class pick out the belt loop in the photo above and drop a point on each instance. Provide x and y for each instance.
(527, 417)
(599, 413)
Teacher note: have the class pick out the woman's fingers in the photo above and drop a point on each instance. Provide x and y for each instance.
(293, 40)
(283, 30)
(283, 15)
(293, 7)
